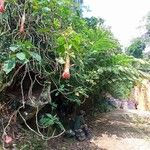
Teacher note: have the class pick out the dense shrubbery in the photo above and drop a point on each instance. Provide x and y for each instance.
(60, 53)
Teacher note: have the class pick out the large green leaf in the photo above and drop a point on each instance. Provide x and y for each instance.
(35, 56)
(21, 56)
(13, 48)
(9, 65)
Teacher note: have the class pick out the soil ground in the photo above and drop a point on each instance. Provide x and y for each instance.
(117, 130)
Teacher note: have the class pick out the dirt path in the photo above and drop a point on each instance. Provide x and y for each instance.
(118, 130)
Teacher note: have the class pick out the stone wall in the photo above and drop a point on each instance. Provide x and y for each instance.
(141, 94)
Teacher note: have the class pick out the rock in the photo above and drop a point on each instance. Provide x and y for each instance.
(69, 133)
(131, 105)
(114, 102)
(124, 105)
(80, 135)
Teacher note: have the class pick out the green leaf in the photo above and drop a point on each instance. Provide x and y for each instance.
(49, 115)
(9, 65)
(60, 60)
(13, 48)
(21, 56)
(35, 56)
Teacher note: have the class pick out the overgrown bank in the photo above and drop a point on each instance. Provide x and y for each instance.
(53, 60)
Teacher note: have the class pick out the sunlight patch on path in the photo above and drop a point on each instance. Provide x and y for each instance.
(115, 143)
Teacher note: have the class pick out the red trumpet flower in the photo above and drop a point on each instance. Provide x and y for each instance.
(2, 7)
(66, 72)
(21, 30)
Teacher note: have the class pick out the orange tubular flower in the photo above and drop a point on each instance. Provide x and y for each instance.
(2, 8)
(66, 72)
(21, 30)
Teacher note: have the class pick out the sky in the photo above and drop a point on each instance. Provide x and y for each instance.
(124, 16)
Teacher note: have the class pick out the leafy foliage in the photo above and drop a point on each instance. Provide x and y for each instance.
(49, 120)
(136, 48)
(54, 29)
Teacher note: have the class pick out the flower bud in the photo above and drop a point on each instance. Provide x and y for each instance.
(21, 30)
(66, 72)
(2, 7)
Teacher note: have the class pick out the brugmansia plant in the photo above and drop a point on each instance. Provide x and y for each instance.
(49, 52)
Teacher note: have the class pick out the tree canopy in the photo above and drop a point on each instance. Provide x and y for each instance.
(136, 48)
